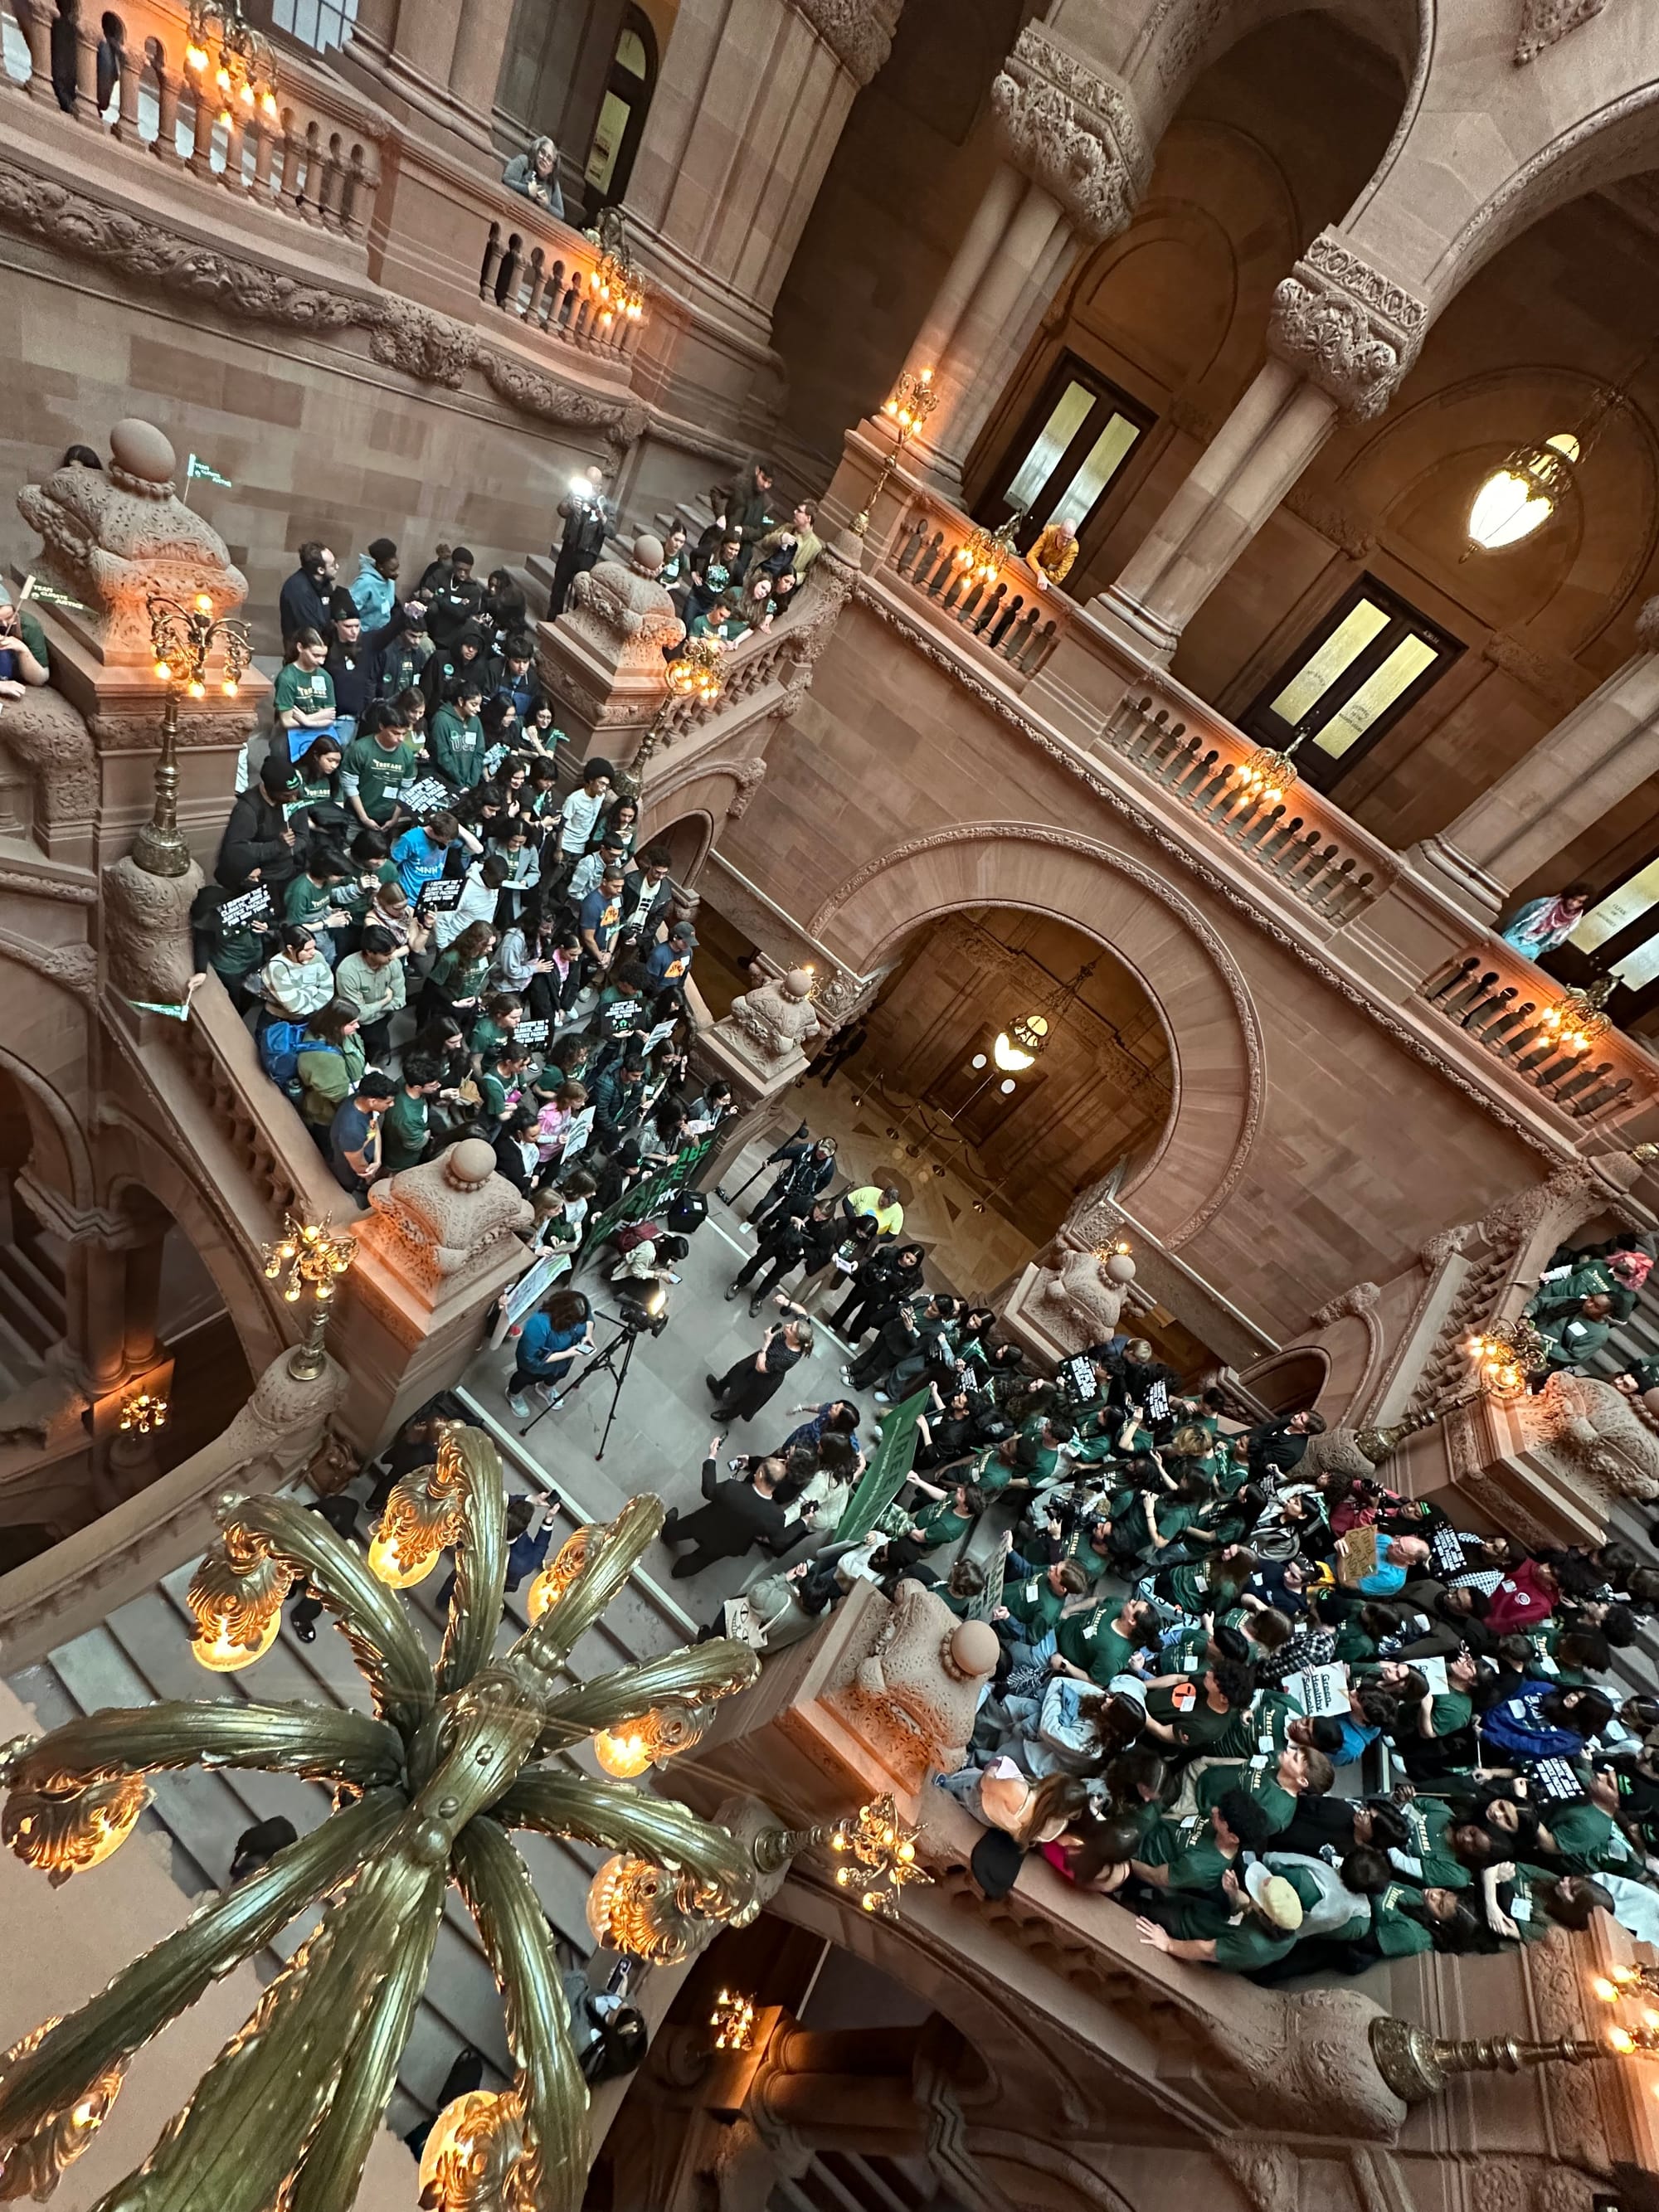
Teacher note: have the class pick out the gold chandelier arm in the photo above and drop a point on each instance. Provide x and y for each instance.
(474, 1604)
(619, 1818)
(700, 1671)
(384, 1644)
(309, 1740)
(156, 1987)
(502, 1900)
(609, 1558)
(240, 2138)
(336, 2155)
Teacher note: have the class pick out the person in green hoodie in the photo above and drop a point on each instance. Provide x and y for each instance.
(330, 1062)
(455, 744)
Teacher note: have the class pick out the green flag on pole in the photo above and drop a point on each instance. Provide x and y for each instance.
(887, 1472)
(195, 467)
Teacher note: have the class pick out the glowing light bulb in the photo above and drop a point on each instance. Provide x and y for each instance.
(222, 1655)
(1621, 2040)
(164, 672)
(1009, 1056)
(197, 690)
(623, 1753)
(203, 603)
(269, 103)
(231, 687)
(196, 57)
(248, 96)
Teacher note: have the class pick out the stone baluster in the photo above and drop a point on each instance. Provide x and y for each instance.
(132, 78)
(264, 155)
(86, 32)
(201, 148)
(1605, 750)
(231, 177)
(33, 20)
(1342, 338)
(358, 196)
(308, 198)
(168, 87)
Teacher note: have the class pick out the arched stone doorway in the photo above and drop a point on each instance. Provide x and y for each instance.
(1175, 1182)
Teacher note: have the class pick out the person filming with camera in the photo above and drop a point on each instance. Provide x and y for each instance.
(552, 1341)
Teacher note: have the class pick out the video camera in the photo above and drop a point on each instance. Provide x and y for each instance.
(645, 1315)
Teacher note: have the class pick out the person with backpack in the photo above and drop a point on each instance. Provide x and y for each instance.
(329, 1065)
(294, 983)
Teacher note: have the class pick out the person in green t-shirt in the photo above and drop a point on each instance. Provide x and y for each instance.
(376, 766)
(302, 697)
(1273, 1785)
(309, 899)
(1095, 1645)
(24, 659)
(502, 1081)
(1193, 1855)
(1265, 1911)
(950, 1516)
(406, 1128)
(330, 1062)
(1196, 1715)
(1033, 1602)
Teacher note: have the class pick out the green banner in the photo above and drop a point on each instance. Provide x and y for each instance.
(887, 1472)
(646, 1197)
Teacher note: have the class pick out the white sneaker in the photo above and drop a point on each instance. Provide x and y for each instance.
(846, 1376)
(546, 1392)
(517, 1407)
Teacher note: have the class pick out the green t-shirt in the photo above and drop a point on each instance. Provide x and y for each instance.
(1258, 1779)
(404, 1129)
(1398, 1933)
(456, 747)
(1035, 1604)
(1450, 1712)
(1089, 1640)
(308, 690)
(941, 1523)
(1428, 1821)
(1199, 1728)
(307, 902)
(1188, 1849)
(1590, 1839)
(377, 774)
(1253, 1943)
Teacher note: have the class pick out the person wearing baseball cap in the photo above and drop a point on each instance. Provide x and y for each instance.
(1254, 1922)
(257, 845)
(672, 962)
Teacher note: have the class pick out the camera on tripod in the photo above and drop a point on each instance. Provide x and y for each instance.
(649, 1313)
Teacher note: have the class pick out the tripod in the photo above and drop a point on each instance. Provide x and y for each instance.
(608, 1362)
(730, 1197)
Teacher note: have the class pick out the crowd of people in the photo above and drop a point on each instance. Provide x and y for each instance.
(1292, 1719)
(430, 938)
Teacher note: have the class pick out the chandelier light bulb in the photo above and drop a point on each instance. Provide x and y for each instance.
(622, 1752)
(1522, 494)
(221, 1654)
(1009, 1056)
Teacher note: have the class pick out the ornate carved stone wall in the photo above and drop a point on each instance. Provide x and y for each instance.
(1072, 132)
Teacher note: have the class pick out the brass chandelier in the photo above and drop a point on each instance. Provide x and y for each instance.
(456, 1755)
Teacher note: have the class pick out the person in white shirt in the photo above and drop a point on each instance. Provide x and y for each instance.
(579, 815)
(477, 902)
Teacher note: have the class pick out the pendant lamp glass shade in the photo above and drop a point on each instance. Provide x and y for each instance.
(1520, 496)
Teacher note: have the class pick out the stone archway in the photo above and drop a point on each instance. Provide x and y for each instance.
(1181, 963)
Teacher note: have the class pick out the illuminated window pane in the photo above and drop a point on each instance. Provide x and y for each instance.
(1641, 966)
(1046, 455)
(630, 54)
(1339, 650)
(1375, 695)
(1098, 469)
(607, 141)
(1618, 909)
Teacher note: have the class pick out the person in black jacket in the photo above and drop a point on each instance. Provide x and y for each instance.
(257, 845)
(464, 655)
(1277, 1446)
(355, 661)
(886, 1275)
(749, 1382)
(304, 603)
(587, 520)
(797, 1241)
(739, 1514)
(808, 1168)
(458, 600)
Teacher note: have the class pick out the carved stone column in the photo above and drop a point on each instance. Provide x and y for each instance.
(436, 67)
(1603, 751)
(1342, 336)
(747, 112)
(439, 1244)
(1070, 131)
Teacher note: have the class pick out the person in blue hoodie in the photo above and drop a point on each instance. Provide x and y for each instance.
(374, 587)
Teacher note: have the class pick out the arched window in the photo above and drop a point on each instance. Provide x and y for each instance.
(623, 111)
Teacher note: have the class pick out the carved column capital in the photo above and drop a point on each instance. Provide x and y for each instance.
(1073, 131)
(1544, 21)
(1348, 328)
(859, 32)
(1647, 627)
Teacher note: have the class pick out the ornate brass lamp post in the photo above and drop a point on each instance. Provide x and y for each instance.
(1506, 1356)
(1417, 2065)
(309, 1259)
(456, 1754)
(183, 638)
(907, 407)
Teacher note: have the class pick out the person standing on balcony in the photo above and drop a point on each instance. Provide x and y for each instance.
(257, 845)
(793, 545)
(374, 587)
(535, 176)
(23, 656)
(376, 766)
(458, 600)
(1053, 554)
(354, 1134)
(355, 661)
(305, 597)
(587, 520)
(1543, 924)
(302, 697)
(744, 511)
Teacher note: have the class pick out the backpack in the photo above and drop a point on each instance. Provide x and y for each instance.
(636, 1232)
(279, 1052)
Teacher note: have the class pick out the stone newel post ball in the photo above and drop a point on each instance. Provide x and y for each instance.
(139, 449)
(975, 1649)
(472, 1163)
(799, 983)
(1121, 1268)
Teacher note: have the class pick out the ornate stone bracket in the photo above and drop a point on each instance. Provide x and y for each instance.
(859, 32)
(1544, 21)
(1349, 329)
(1072, 132)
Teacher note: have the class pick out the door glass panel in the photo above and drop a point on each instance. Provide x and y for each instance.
(630, 54)
(1046, 455)
(1101, 465)
(607, 141)
(1640, 967)
(1376, 695)
(1618, 909)
(1340, 649)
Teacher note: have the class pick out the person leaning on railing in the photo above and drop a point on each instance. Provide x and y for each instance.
(535, 176)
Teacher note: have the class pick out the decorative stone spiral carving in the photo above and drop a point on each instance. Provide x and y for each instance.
(859, 32)
(1599, 1435)
(1348, 328)
(1544, 21)
(1070, 132)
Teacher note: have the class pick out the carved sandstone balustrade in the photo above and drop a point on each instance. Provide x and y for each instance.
(1306, 843)
(540, 272)
(1506, 1006)
(1009, 615)
(316, 158)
